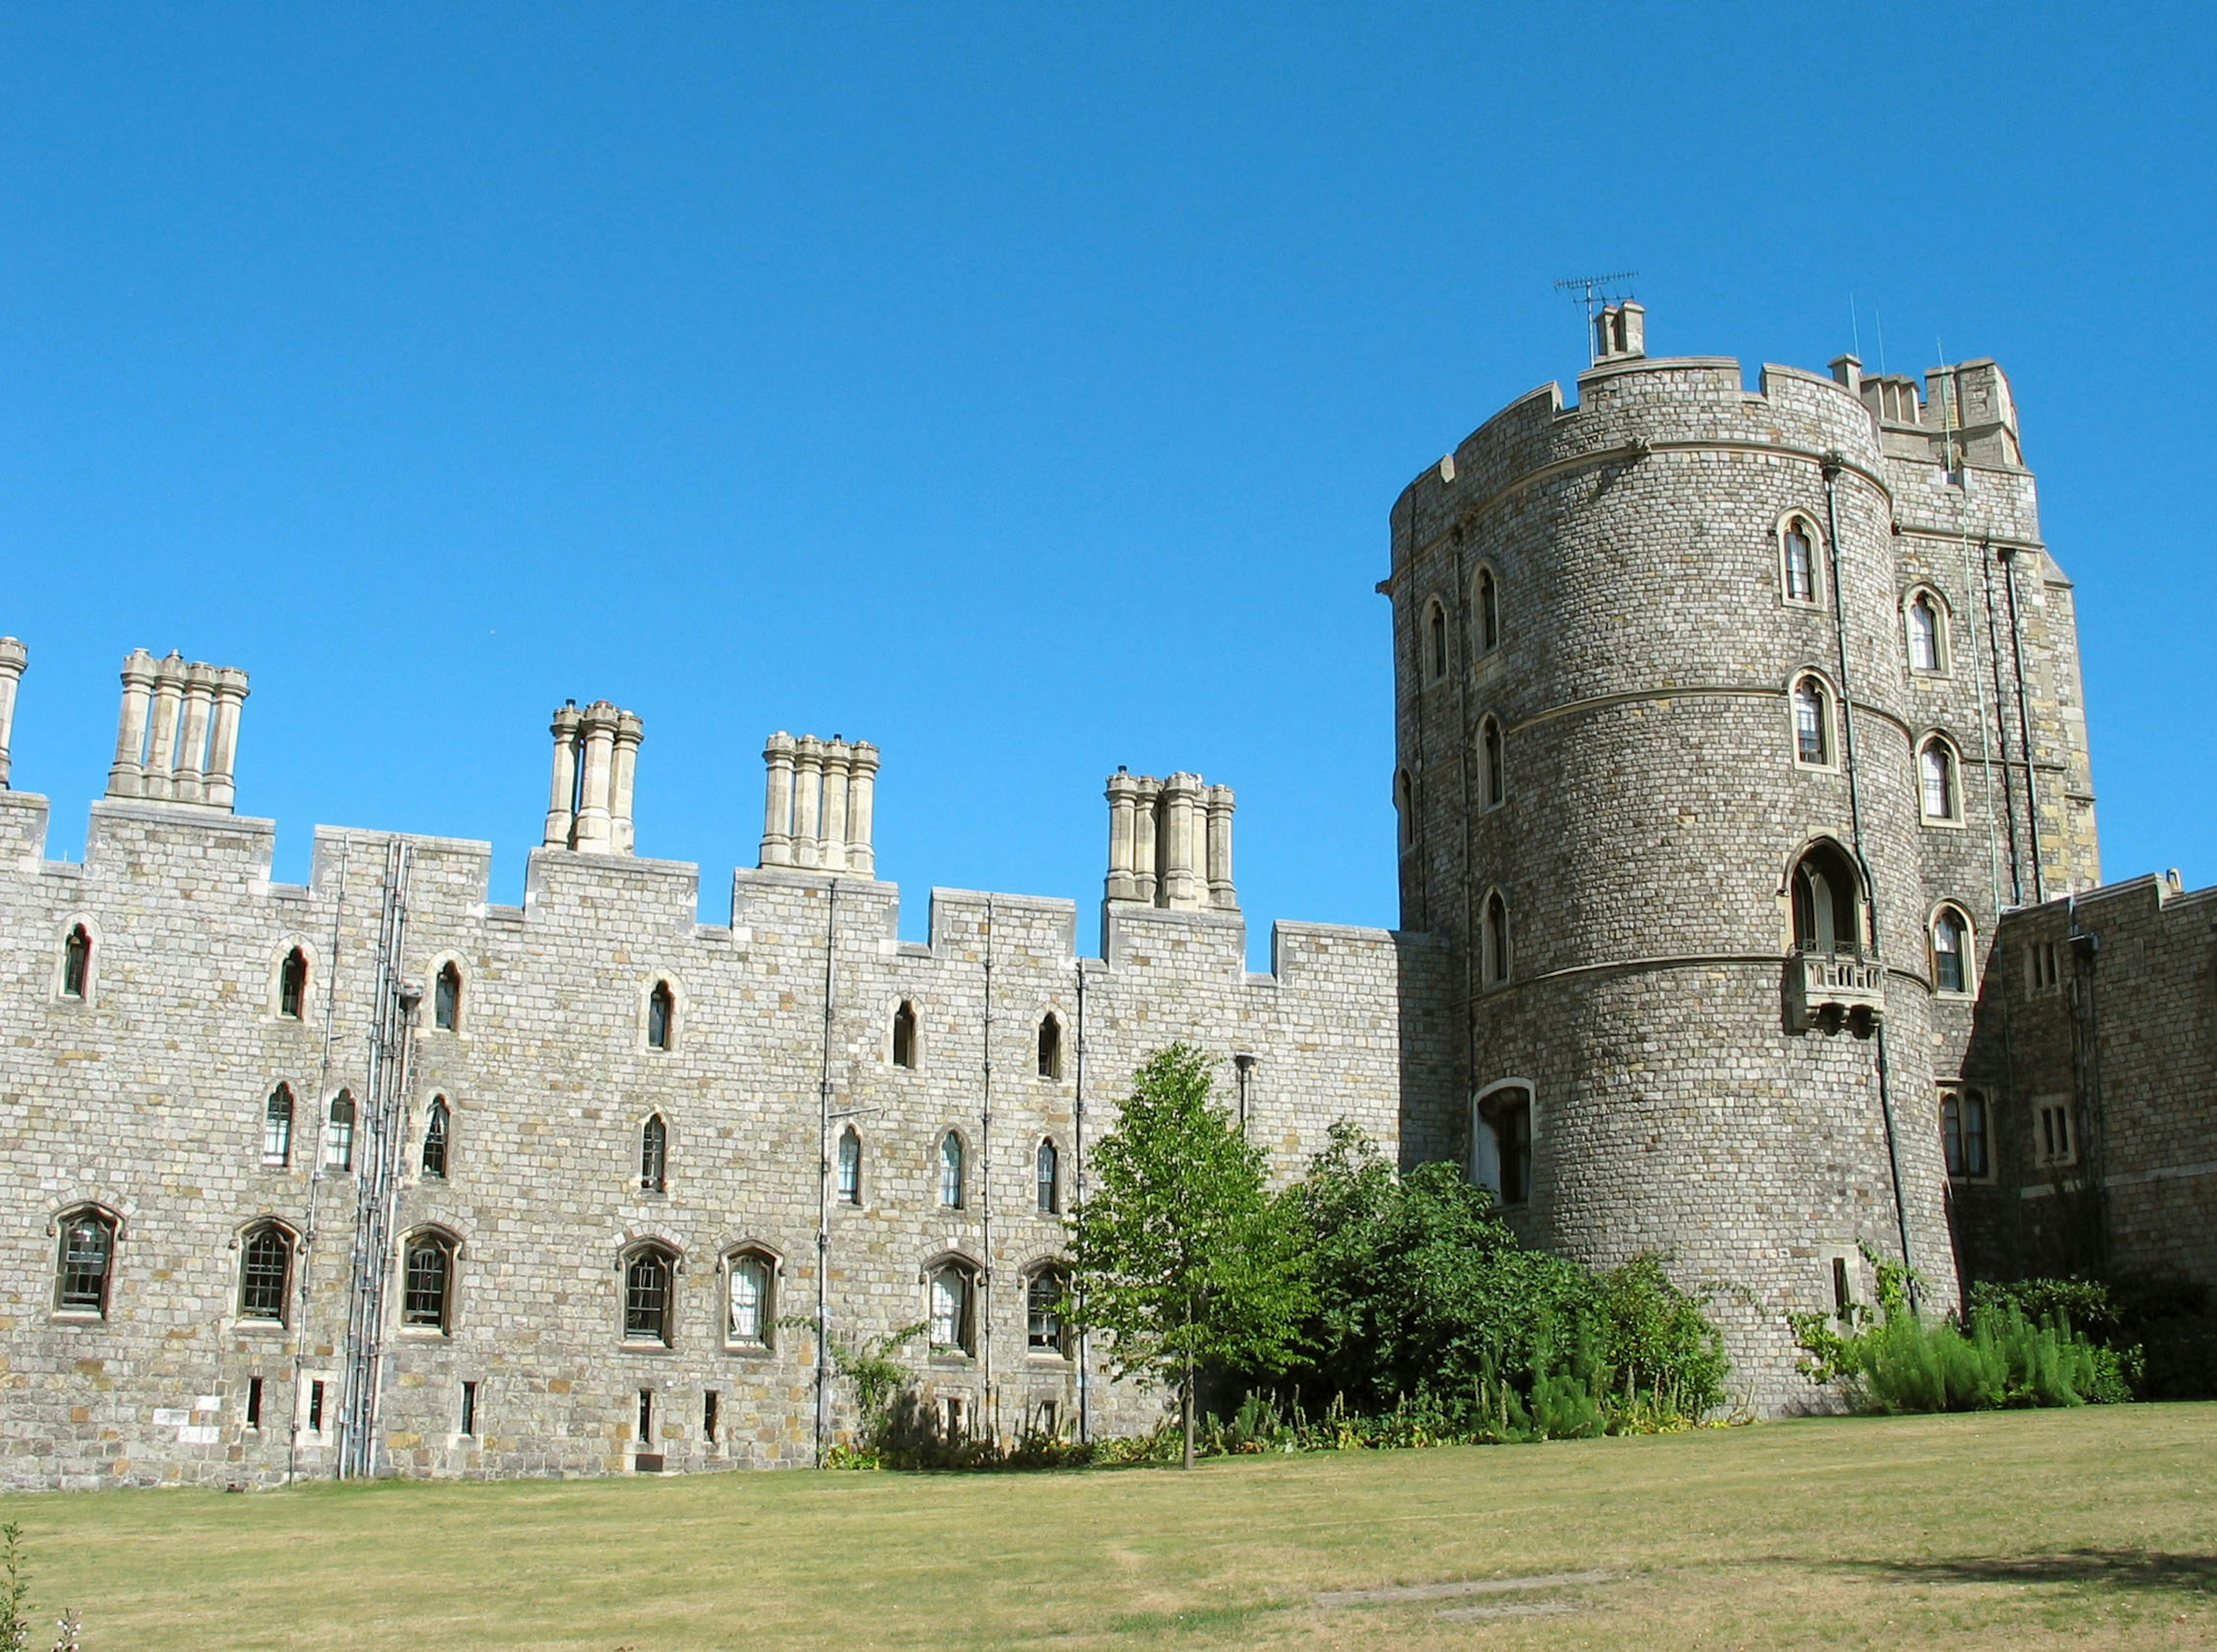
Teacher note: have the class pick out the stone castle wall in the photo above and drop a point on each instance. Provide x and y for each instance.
(146, 1098)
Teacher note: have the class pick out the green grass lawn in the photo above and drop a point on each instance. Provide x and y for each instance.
(2094, 1527)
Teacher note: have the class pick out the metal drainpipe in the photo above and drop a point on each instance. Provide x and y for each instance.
(823, 1179)
(1471, 948)
(2023, 723)
(1833, 465)
(1077, 1205)
(2001, 727)
(2089, 1123)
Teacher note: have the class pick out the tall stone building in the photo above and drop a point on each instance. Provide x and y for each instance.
(1728, 725)
(1731, 728)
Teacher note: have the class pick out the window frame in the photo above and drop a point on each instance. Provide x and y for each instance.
(639, 1253)
(1936, 740)
(1943, 640)
(2050, 1114)
(448, 1245)
(282, 1158)
(964, 1347)
(1404, 806)
(1058, 1348)
(1048, 1065)
(1493, 764)
(1857, 907)
(1965, 953)
(87, 977)
(1786, 524)
(1827, 722)
(1046, 1177)
(770, 1266)
(342, 1163)
(905, 1024)
(292, 998)
(1958, 1136)
(109, 1223)
(266, 1227)
(439, 1127)
(1485, 1167)
(1497, 941)
(449, 1012)
(841, 1193)
(1438, 644)
(662, 999)
(1485, 607)
(653, 1138)
(960, 1170)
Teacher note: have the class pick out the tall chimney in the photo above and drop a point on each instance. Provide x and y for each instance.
(13, 657)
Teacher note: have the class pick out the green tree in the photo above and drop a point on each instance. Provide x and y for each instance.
(1181, 1254)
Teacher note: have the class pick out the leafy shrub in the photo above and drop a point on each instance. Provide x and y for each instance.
(1898, 1360)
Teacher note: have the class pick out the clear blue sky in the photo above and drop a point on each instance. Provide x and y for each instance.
(1022, 389)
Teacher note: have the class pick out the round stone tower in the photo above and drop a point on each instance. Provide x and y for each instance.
(1657, 778)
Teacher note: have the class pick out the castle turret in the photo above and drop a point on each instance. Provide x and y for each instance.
(1686, 762)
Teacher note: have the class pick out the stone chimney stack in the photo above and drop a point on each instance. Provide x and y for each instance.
(819, 804)
(177, 737)
(1170, 842)
(13, 657)
(1620, 332)
(588, 806)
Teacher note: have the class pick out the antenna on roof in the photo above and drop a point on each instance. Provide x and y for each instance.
(1594, 291)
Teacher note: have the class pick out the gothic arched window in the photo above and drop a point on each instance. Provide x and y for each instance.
(265, 1270)
(435, 1131)
(1812, 722)
(277, 1129)
(446, 998)
(1939, 796)
(1827, 901)
(950, 1171)
(654, 1156)
(1951, 950)
(1488, 612)
(292, 985)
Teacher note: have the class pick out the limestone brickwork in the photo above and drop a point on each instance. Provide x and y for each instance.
(144, 1094)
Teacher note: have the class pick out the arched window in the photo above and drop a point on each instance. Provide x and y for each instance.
(1951, 950)
(1503, 1144)
(1488, 605)
(447, 999)
(647, 1294)
(905, 1035)
(1812, 722)
(654, 1156)
(661, 1016)
(1495, 942)
(1963, 1132)
(1405, 806)
(1494, 777)
(265, 1270)
(1798, 556)
(850, 1166)
(292, 985)
(427, 1294)
(1050, 1047)
(338, 1133)
(435, 1124)
(950, 1171)
(1043, 1332)
(1827, 901)
(86, 1263)
(1436, 638)
(277, 1129)
(77, 961)
(1050, 1178)
(951, 1317)
(1927, 646)
(753, 1281)
(1937, 793)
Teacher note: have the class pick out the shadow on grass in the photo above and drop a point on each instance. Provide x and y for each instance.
(1210, 1621)
(2110, 1569)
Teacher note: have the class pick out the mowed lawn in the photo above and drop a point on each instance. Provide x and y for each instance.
(2095, 1527)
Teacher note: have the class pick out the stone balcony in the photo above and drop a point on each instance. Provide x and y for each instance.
(1827, 991)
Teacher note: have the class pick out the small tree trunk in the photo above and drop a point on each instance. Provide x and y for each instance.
(1188, 1411)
